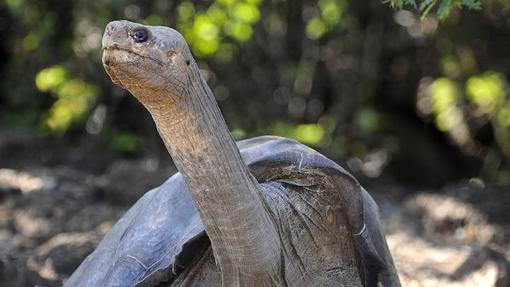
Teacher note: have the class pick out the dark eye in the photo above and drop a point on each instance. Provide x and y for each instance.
(140, 35)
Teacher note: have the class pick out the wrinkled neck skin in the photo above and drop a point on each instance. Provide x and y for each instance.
(244, 239)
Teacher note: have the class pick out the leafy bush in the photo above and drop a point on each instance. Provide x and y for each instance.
(441, 7)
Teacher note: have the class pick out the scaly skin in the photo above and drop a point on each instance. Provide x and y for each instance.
(161, 73)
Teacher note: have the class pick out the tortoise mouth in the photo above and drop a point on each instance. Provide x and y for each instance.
(129, 69)
(113, 56)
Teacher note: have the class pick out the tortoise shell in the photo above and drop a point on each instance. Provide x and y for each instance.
(328, 224)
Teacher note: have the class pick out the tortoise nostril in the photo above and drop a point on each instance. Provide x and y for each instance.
(110, 29)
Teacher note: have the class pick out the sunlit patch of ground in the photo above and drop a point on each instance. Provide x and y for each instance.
(22, 181)
(51, 218)
(423, 263)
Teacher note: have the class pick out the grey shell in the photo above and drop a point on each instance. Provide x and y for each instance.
(157, 237)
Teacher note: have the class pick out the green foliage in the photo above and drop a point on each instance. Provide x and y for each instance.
(368, 120)
(322, 71)
(330, 14)
(73, 98)
(51, 78)
(209, 31)
(443, 7)
(311, 134)
(503, 116)
(126, 142)
(154, 20)
(238, 133)
(487, 91)
(13, 4)
(445, 98)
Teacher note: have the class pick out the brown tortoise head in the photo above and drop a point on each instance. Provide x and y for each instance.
(149, 61)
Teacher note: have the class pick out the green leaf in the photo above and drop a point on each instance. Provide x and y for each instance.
(427, 4)
(308, 133)
(49, 79)
(472, 4)
(126, 142)
(410, 2)
(400, 3)
(427, 7)
(487, 91)
(315, 28)
(444, 9)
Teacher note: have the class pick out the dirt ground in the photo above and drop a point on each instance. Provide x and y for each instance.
(56, 206)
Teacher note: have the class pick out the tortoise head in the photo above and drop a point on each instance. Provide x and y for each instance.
(147, 60)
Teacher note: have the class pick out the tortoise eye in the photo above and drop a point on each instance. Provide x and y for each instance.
(140, 35)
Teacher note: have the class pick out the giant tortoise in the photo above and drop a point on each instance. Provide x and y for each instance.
(267, 211)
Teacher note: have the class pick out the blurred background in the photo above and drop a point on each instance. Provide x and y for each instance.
(410, 96)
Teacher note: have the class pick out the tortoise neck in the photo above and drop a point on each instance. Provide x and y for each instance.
(221, 186)
(198, 139)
